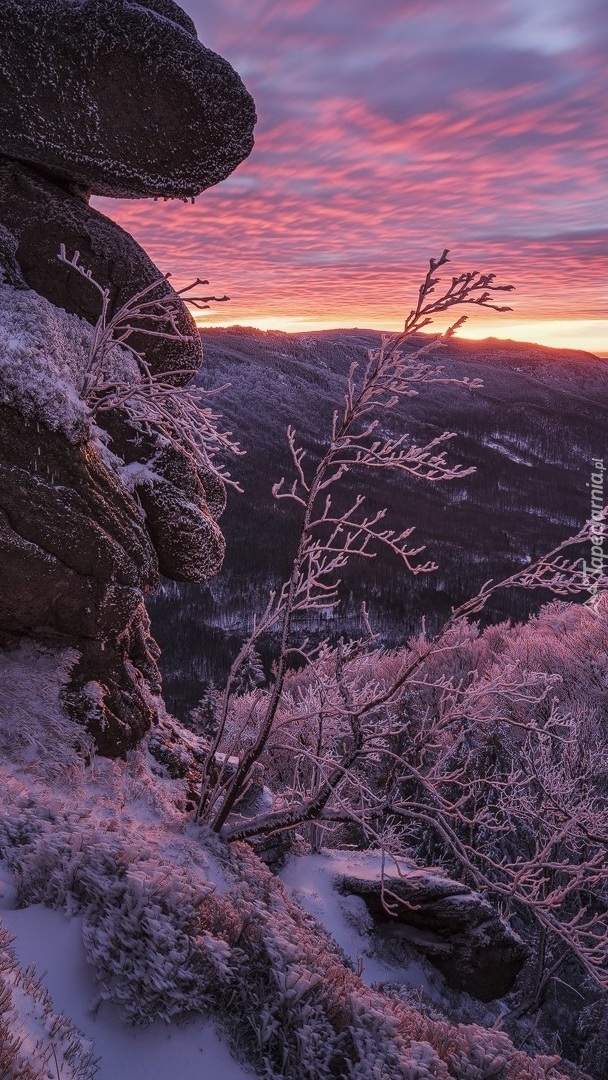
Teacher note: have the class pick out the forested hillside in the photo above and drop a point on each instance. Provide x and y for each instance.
(531, 433)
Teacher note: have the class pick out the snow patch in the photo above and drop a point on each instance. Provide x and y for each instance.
(492, 445)
(43, 353)
(310, 882)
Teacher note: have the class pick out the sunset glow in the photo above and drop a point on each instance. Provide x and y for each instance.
(388, 132)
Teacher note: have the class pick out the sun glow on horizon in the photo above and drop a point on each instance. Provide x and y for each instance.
(587, 335)
(372, 155)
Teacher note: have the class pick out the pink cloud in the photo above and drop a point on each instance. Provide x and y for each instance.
(387, 133)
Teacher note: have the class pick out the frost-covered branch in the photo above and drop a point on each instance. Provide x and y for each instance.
(436, 745)
(118, 376)
(495, 768)
(387, 376)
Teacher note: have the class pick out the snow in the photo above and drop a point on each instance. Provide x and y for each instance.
(503, 450)
(310, 882)
(43, 351)
(158, 1052)
(44, 354)
(34, 728)
(137, 473)
(37, 741)
(108, 845)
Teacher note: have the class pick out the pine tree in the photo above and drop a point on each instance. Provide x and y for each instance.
(204, 716)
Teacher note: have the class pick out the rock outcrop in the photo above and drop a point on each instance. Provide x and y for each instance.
(91, 509)
(41, 215)
(457, 929)
(119, 98)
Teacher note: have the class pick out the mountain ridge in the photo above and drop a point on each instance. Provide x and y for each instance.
(531, 433)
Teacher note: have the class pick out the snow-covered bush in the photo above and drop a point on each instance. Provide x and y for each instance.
(485, 762)
(145, 925)
(175, 923)
(141, 936)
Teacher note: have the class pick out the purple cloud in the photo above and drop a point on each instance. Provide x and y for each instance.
(389, 131)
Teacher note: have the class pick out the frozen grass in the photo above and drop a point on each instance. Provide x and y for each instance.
(168, 924)
(193, 1050)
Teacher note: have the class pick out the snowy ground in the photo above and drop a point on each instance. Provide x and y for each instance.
(53, 943)
(309, 880)
(64, 823)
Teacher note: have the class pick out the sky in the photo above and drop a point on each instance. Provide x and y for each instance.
(389, 130)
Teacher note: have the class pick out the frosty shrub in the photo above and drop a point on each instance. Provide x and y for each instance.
(165, 942)
(427, 739)
(146, 927)
(117, 375)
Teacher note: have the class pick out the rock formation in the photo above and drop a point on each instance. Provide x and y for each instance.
(457, 929)
(120, 99)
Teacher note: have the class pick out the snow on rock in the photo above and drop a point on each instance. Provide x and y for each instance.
(176, 121)
(77, 550)
(311, 882)
(40, 215)
(180, 501)
(453, 927)
(457, 929)
(43, 353)
(75, 556)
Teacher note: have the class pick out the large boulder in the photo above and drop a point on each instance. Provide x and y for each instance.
(119, 98)
(77, 551)
(115, 98)
(181, 502)
(41, 215)
(456, 928)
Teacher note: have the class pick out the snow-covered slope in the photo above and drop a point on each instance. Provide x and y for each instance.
(531, 433)
(172, 925)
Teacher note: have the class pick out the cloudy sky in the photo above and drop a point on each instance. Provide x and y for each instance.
(388, 130)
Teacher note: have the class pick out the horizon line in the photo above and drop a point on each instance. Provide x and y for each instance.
(201, 326)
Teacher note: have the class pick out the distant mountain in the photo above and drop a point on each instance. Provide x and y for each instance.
(531, 433)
